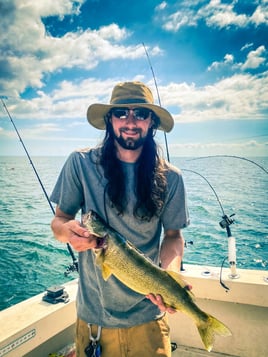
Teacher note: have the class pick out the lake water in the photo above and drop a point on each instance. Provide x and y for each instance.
(32, 260)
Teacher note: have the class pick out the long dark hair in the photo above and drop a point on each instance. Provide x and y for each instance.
(150, 178)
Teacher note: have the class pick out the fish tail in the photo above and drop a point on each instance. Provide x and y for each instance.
(209, 328)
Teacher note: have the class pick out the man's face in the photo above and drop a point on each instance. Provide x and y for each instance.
(130, 126)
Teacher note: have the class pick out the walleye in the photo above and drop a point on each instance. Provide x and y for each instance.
(115, 255)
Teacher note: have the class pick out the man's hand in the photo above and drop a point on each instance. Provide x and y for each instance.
(78, 236)
(158, 300)
(68, 230)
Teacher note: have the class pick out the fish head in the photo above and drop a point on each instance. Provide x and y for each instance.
(107, 237)
(96, 226)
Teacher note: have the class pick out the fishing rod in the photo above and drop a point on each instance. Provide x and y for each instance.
(74, 266)
(225, 224)
(226, 220)
(158, 97)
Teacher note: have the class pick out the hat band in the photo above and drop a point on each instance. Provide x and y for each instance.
(130, 100)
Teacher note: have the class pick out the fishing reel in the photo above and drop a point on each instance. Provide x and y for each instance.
(188, 242)
(226, 221)
(71, 268)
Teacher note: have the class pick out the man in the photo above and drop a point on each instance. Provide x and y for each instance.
(129, 185)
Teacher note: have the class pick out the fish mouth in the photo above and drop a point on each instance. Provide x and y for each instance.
(101, 242)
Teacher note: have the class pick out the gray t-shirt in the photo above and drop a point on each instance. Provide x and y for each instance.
(81, 186)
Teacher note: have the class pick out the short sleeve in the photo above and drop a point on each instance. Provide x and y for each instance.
(68, 191)
(175, 214)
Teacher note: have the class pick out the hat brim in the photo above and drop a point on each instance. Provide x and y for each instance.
(97, 112)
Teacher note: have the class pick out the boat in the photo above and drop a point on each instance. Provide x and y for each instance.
(39, 328)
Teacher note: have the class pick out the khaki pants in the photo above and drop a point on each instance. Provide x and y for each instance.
(147, 340)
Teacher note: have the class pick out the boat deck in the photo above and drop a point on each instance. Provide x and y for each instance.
(186, 351)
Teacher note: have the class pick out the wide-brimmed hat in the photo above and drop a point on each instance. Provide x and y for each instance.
(134, 93)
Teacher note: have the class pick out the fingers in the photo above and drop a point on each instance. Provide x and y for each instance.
(75, 227)
(157, 300)
(79, 237)
(81, 244)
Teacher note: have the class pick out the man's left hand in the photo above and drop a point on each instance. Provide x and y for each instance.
(158, 300)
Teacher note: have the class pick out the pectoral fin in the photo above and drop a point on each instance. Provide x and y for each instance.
(106, 272)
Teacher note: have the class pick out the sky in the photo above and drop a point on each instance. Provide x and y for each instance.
(207, 59)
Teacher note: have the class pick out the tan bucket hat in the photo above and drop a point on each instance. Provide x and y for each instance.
(129, 93)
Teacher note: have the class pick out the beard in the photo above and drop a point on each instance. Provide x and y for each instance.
(129, 143)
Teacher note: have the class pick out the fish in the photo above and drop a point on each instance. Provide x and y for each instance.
(116, 256)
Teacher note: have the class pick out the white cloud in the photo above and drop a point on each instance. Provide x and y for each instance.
(228, 60)
(229, 98)
(178, 20)
(216, 14)
(29, 52)
(246, 46)
(161, 6)
(260, 15)
(240, 96)
(255, 58)
(59, 8)
(222, 15)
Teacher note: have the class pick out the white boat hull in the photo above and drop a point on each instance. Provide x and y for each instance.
(34, 328)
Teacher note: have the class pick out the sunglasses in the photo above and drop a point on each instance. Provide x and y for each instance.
(138, 113)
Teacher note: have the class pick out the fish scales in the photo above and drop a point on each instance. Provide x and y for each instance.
(134, 264)
(117, 256)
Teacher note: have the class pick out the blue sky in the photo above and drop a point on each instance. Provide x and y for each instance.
(210, 61)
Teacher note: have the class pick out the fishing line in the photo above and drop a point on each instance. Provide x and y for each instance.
(221, 281)
(74, 265)
(232, 156)
(166, 143)
(158, 96)
(214, 191)
(226, 221)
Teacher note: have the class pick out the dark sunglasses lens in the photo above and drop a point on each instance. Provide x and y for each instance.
(120, 113)
(139, 113)
(142, 113)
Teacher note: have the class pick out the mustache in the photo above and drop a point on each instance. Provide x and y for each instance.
(133, 130)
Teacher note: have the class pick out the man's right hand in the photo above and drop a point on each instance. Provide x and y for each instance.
(68, 230)
(79, 237)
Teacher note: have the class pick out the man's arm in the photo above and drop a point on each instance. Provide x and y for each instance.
(171, 254)
(172, 250)
(68, 230)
